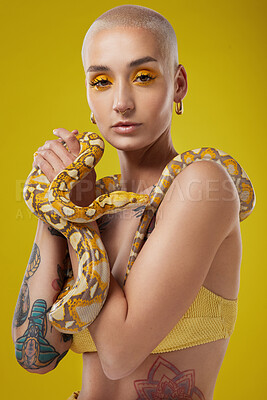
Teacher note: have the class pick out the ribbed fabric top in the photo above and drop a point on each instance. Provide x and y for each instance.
(210, 317)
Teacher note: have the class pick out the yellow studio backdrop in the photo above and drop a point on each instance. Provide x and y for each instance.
(223, 48)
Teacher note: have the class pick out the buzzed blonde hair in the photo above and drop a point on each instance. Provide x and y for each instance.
(139, 17)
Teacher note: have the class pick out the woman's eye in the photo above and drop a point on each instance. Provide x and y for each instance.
(100, 83)
(144, 78)
(103, 82)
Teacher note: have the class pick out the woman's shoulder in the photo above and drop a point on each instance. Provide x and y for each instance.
(202, 181)
(204, 192)
(208, 174)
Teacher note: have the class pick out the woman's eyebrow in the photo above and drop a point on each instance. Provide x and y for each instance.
(94, 68)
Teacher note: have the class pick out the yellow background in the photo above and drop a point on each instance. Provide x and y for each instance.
(223, 48)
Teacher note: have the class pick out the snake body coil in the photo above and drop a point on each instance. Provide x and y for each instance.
(78, 305)
(80, 302)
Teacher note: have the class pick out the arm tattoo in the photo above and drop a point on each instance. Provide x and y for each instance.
(54, 232)
(57, 283)
(33, 351)
(22, 306)
(61, 356)
(138, 211)
(165, 381)
(106, 219)
(103, 222)
(66, 337)
(34, 261)
(63, 272)
(23, 303)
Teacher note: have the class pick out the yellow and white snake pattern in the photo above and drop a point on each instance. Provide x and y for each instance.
(80, 302)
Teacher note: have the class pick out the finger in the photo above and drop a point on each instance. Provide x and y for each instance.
(51, 157)
(45, 167)
(75, 131)
(70, 140)
(60, 151)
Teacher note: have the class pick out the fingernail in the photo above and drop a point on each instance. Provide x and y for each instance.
(54, 130)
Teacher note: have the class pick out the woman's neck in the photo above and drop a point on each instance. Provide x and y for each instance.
(141, 169)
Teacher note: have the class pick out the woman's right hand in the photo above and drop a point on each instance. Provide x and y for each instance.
(53, 157)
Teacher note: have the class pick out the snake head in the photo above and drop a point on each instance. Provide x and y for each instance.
(117, 201)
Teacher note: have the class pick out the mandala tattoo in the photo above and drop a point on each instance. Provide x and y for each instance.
(23, 303)
(166, 382)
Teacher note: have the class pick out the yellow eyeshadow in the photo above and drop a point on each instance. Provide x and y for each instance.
(142, 78)
(147, 77)
(145, 72)
(101, 82)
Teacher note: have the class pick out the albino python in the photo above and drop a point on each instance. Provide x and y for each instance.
(80, 302)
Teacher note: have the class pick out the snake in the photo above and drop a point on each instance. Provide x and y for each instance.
(78, 304)
(81, 301)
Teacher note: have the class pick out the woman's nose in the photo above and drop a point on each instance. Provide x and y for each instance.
(123, 98)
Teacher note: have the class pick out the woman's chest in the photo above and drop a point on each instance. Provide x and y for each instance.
(117, 234)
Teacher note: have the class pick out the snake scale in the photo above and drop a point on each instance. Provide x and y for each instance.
(80, 302)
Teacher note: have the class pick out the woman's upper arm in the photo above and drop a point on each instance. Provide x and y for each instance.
(196, 215)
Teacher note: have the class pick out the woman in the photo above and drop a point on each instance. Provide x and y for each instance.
(154, 340)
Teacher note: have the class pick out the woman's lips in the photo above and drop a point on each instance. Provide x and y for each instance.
(125, 128)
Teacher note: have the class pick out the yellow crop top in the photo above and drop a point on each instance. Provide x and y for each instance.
(210, 317)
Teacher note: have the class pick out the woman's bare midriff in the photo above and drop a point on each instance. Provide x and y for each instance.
(199, 365)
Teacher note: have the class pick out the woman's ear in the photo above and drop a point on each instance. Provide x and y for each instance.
(180, 84)
(85, 82)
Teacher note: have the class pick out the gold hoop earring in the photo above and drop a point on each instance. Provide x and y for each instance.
(179, 109)
(93, 118)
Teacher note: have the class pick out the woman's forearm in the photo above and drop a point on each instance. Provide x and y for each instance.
(110, 333)
(39, 347)
(109, 327)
